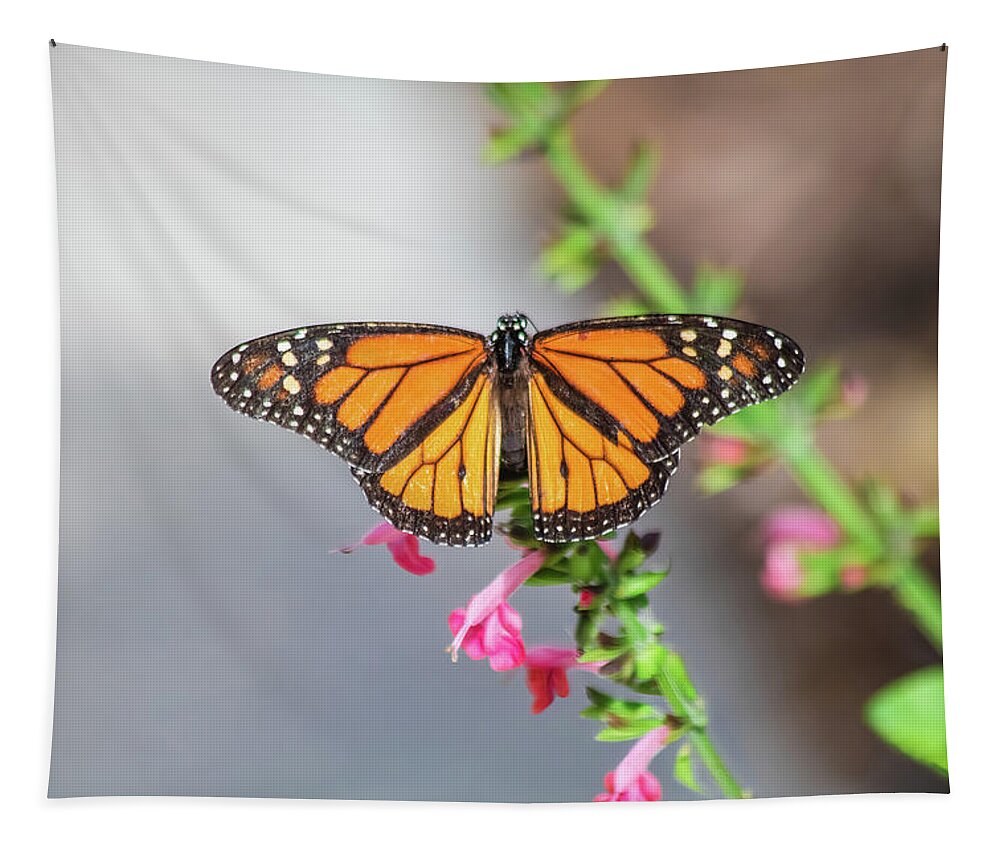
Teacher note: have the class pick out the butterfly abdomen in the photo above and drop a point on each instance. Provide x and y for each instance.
(512, 394)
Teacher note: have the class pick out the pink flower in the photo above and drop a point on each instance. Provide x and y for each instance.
(632, 780)
(786, 533)
(782, 575)
(404, 548)
(853, 576)
(720, 449)
(497, 636)
(801, 525)
(853, 391)
(586, 599)
(489, 625)
(546, 676)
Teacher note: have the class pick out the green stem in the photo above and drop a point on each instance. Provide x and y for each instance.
(716, 767)
(602, 208)
(689, 712)
(821, 481)
(915, 592)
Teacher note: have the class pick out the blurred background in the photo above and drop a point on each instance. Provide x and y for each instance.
(209, 643)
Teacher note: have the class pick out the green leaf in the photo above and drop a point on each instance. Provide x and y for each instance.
(504, 145)
(673, 665)
(716, 478)
(604, 706)
(716, 291)
(513, 498)
(639, 583)
(684, 769)
(571, 254)
(924, 522)
(581, 92)
(640, 173)
(588, 625)
(821, 569)
(519, 98)
(648, 660)
(581, 569)
(820, 388)
(545, 576)
(601, 654)
(629, 731)
(632, 554)
(626, 306)
(909, 714)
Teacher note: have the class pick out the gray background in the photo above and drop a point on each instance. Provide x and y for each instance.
(208, 642)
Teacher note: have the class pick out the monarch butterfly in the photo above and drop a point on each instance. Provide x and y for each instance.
(595, 412)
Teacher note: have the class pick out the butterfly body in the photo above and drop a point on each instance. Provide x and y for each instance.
(427, 416)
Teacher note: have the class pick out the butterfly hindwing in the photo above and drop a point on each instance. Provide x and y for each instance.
(584, 483)
(444, 488)
(368, 392)
(659, 379)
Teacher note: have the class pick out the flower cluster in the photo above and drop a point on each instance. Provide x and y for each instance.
(604, 581)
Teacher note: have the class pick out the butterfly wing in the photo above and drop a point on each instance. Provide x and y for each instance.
(444, 488)
(582, 482)
(659, 379)
(368, 392)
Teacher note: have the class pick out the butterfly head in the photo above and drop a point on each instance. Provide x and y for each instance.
(509, 340)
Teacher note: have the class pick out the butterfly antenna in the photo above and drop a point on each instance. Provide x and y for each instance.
(532, 324)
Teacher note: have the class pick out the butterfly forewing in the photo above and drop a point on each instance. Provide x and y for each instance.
(660, 379)
(369, 392)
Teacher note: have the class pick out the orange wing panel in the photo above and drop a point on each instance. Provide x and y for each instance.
(582, 483)
(444, 489)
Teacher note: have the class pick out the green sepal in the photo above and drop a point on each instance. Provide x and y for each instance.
(629, 731)
(545, 576)
(604, 706)
(632, 554)
(639, 583)
(601, 654)
(673, 665)
(684, 769)
(648, 660)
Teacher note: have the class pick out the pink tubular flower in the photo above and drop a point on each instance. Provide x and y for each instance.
(489, 625)
(632, 779)
(586, 598)
(782, 575)
(404, 548)
(546, 674)
(720, 449)
(786, 533)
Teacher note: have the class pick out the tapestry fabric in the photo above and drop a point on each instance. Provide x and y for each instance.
(741, 269)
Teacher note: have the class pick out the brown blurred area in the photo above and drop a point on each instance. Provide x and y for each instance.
(821, 184)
